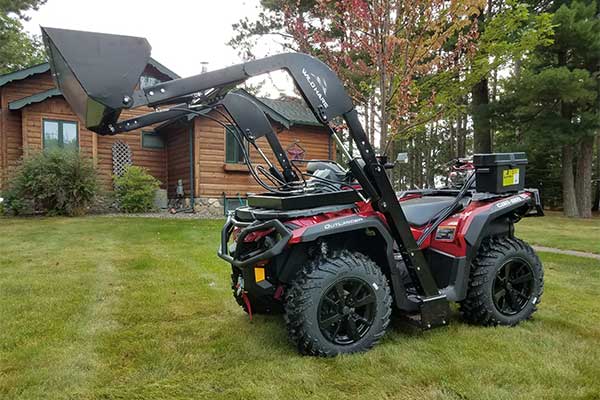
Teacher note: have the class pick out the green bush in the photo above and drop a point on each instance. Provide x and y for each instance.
(56, 182)
(135, 190)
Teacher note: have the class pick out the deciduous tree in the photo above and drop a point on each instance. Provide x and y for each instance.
(380, 48)
(18, 49)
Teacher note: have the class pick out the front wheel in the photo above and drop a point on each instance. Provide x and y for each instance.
(339, 304)
(506, 283)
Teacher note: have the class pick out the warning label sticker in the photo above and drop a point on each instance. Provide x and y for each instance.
(510, 177)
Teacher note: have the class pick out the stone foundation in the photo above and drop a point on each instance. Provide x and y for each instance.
(209, 207)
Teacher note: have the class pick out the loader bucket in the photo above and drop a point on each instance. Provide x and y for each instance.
(97, 73)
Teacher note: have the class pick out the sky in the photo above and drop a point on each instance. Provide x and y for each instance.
(182, 33)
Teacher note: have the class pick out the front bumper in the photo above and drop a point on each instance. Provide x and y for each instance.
(283, 235)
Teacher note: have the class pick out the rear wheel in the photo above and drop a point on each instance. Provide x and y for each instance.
(339, 304)
(506, 284)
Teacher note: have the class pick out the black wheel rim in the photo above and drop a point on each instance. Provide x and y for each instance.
(347, 311)
(513, 286)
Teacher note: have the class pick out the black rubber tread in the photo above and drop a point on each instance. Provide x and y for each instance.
(260, 305)
(303, 297)
(478, 307)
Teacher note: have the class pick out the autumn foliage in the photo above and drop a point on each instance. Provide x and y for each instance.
(383, 48)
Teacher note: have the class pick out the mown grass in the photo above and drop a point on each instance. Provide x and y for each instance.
(555, 230)
(101, 308)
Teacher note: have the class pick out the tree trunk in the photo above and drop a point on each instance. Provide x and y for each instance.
(461, 140)
(453, 147)
(583, 181)
(596, 206)
(568, 182)
(383, 80)
(372, 119)
(366, 124)
(482, 133)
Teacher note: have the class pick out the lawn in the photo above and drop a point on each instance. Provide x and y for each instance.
(126, 308)
(560, 232)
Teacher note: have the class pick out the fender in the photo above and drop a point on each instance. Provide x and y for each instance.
(481, 221)
(358, 222)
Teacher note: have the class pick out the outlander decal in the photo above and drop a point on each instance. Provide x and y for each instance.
(339, 224)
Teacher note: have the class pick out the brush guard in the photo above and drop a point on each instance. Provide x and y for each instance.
(247, 228)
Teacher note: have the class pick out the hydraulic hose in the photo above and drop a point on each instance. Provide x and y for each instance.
(445, 213)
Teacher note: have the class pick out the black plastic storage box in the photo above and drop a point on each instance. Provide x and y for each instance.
(500, 172)
(302, 201)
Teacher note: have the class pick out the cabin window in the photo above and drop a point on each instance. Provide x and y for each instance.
(152, 140)
(233, 151)
(60, 134)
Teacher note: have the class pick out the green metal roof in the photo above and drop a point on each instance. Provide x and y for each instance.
(41, 68)
(36, 98)
(24, 73)
(293, 111)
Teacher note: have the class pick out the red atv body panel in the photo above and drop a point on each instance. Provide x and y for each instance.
(458, 222)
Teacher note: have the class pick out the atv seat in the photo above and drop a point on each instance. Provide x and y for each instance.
(421, 210)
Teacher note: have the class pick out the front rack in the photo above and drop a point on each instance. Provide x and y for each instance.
(302, 201)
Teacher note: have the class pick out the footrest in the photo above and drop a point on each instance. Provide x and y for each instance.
(434, 311)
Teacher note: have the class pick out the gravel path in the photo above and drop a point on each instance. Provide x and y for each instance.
(163, 215)
(567, 252)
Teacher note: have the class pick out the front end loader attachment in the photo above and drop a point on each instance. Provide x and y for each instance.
(97, 73)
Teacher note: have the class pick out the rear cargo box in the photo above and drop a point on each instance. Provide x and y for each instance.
(500, 172)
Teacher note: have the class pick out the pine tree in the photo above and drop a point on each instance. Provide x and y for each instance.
(553, 101)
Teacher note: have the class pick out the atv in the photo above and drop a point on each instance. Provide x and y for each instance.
(330, 246)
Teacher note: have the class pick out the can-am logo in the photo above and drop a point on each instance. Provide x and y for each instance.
(318, 85)
(509, 202)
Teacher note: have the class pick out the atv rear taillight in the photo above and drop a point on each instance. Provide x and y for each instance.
(254, 236)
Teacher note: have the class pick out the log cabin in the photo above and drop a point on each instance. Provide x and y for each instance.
(195, 154)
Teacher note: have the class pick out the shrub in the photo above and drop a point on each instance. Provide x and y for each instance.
(56, 182)
(135, 190)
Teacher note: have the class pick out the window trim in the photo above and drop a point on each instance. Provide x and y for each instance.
(155, 134)
(60, 122)
(226, 129)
